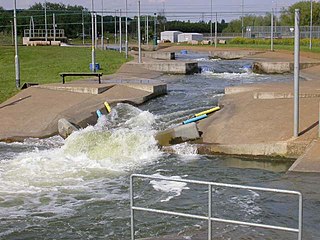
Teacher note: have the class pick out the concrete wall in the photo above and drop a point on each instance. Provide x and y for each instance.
(174, 67)
(160, 55)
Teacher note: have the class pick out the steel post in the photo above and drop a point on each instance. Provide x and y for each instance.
(271, 30)
(139, 32)
(93, 54)
(296, 71)
(16, 58)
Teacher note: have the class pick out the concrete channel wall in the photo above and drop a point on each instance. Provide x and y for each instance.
(278, 67)
(160, 55)
(173, 67)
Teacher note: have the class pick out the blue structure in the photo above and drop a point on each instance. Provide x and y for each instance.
(195, 119)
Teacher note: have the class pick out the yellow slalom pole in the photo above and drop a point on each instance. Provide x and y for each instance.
(107, 107)
(207, 111)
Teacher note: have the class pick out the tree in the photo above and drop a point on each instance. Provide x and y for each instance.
(287, 15)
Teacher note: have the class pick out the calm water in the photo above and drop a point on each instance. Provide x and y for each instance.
(79, 188)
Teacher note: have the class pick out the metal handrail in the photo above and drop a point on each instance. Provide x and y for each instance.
(209, 218)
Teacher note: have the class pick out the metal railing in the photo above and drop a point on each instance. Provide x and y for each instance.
(41, 33)
(209, 217)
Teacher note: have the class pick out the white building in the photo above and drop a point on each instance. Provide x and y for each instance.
(186, 37)
(171, 36)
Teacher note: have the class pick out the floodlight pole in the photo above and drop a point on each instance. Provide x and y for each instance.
(296, 72)
(93, 54)
(82, 27)
(242, 7)
(16, 58)
(54, 26)
(139, 32)
(311, 13)
(126, 43)
(45, 21)
(147, 29)
(102, 28)
(271, 31)
(211, 23)
(216, 32)
(115, 26)
(120, 31)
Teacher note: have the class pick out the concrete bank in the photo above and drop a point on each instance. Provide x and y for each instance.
(35, 111)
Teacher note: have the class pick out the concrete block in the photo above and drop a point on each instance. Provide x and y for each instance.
(174, 67)
(178, 134)
(272, 67)
(160, 55)
(65, 128)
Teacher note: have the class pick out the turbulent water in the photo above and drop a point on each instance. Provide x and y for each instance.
(78, 188)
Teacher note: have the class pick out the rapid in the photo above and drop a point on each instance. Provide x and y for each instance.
(78, 188)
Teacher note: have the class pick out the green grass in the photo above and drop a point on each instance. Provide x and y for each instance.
(43, 65)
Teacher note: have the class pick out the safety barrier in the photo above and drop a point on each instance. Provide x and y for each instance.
(209, 217)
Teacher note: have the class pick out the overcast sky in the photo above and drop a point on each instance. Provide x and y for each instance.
(171, 7)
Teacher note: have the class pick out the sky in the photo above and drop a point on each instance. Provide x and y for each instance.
(193, 9)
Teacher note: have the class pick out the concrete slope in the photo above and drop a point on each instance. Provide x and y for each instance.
(309, 161)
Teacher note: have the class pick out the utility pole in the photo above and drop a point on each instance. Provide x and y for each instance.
(155, 32)
(93, 54)
(115, 27)
(216, 32)
(147, 30)
(271, 31)
(54, 26)
(120, 31)
(126, 29)
(95, 31)
(139, 32)
(211, 23)
(311, 13)
(296, 72)
(82, 28)
(45, 21)
(16, 58)
(102, 30)
(242, 24)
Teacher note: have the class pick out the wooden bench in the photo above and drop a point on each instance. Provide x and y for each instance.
(73, 74)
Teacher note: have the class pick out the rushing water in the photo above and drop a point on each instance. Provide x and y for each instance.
(78, 188)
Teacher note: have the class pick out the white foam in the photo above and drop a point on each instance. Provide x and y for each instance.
(174, 189)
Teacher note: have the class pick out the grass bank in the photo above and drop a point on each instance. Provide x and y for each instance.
(43, 65)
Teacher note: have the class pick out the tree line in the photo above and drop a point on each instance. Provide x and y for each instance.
(70, 18)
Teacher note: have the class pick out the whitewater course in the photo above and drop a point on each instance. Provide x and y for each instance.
(78, 187)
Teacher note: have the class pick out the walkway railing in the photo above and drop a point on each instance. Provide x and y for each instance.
(209, 217)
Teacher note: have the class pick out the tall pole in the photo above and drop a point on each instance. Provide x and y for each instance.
(93, 54)
(120, 31)
(45, 21)
(16, 57)
(82, 28)
(115, 27)
(271, 31)
(95, 31)
(216, 31)
(139, 32)
(311, 13)
(147, 30)
(126, 29)
(211, 23)
(296, 72)
(102, 29)
(54, 26)
(155, 32)
(242, 6)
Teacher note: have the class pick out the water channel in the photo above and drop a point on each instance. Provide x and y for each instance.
(78, 188)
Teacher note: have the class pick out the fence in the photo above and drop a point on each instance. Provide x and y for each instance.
(209, 217)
